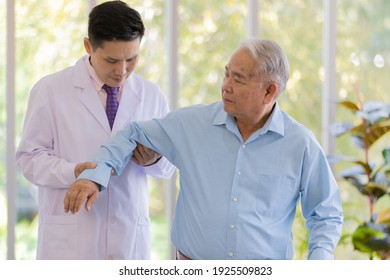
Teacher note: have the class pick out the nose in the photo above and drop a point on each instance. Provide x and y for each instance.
(226, 84)
(121, 68)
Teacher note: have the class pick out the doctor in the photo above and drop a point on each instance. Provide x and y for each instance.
(66, 123)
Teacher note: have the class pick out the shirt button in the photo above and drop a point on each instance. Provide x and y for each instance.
(239, 172)
(232, 226)
(243, 146)
(235, 199)
(230, 254)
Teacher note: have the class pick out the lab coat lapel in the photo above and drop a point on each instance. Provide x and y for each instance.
(89, 97)
(130, 99)
(92, 102)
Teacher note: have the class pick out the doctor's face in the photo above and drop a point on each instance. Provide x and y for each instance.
(114, 61)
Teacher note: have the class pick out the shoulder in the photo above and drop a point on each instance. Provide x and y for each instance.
(141, 83)
(197, 113)
(297, 130)
(56, 75)
(51, 83)
(199, 108)
(62, 77)
(144, 89)
(301, 140)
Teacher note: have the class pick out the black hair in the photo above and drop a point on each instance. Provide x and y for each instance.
(114, 20)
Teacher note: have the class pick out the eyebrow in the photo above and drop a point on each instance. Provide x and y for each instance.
(235, 73)
(116, 59)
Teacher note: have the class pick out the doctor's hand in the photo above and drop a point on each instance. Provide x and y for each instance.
(144, 156)
(83, 165)
(82, 190)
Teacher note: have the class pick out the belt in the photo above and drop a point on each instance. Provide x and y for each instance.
(181, 257)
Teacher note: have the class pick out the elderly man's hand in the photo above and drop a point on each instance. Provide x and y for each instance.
(144, 156)
(82, 190)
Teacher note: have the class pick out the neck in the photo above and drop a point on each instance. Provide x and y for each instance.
(249, 126)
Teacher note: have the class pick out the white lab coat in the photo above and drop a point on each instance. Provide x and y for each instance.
(65, 124)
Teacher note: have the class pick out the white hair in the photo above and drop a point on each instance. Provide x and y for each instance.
(272, 61)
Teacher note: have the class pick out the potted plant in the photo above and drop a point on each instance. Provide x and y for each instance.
(371, 179)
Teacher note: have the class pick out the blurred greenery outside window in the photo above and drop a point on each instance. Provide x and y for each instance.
(49, 38)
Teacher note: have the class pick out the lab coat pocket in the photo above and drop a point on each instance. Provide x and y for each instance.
(59, 235)
(143, 243)
(275, 195)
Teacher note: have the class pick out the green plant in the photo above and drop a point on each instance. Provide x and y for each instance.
(370, 175)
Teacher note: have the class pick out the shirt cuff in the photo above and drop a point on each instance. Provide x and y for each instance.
(320, 254)
(100, 175)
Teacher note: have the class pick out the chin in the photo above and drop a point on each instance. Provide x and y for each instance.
(226, 108)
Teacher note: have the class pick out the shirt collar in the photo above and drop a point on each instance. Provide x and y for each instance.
(274, 123)
(92, 73)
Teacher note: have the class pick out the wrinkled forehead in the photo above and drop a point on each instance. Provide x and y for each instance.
(243, 61)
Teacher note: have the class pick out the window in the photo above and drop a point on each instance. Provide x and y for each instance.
(49, 34)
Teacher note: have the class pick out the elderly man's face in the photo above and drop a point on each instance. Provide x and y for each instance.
(243, 92)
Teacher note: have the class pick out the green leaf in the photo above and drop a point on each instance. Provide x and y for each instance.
(386, 155)
(369, 134)
(387, 175)
(384, 217)
(374, 133)
(358, 131)
(350, 105)
(354, 181)
(362, 168)
(370, 238)
(375, 189)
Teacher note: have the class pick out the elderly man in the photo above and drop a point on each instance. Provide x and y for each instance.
(244, 166)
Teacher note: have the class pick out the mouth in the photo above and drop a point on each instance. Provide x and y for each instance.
(118, 81)
(225, 100)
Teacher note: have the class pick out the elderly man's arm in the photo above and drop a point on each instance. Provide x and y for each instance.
(115, 155)
(321, 205)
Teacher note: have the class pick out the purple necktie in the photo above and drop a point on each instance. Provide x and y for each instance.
(112, 103)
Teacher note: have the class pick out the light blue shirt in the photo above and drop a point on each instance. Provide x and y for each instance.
(237, 199)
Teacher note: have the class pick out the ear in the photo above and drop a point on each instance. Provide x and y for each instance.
(272, 93)
(88, 45)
